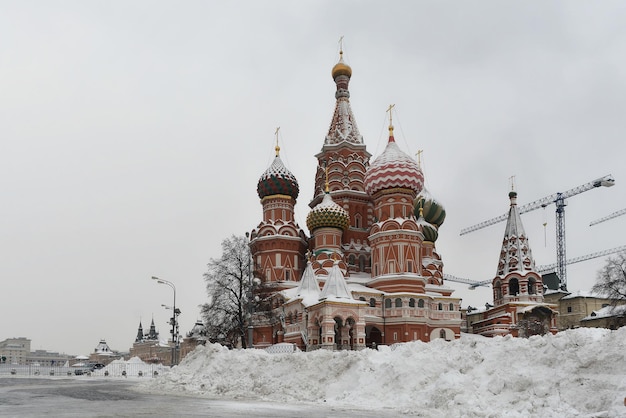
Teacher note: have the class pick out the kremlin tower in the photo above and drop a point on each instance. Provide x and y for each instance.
(369, 273)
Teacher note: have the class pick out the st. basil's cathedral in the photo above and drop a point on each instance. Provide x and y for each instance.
(370, 273)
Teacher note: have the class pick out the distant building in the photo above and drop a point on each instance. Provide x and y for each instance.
(576, 306)
(15, 350)
(149, 348)
(194, 338)
(611, 317)
(519, 308)
(47, 358)
(103, 354)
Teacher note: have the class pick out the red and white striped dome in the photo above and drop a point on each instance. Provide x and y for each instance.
(393, 169)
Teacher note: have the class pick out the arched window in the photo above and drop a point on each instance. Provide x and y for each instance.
(362, 299)
(387, 303)
(352, 260)
(411, 303)
(442, 334)
(362, 263)
(451, 308)
(513, 287)
(372, 303)
(440, 307)
(420, 303)
(532, 286)
(398, 303)
(497, 290)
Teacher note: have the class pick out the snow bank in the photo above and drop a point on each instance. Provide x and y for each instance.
(573, 373)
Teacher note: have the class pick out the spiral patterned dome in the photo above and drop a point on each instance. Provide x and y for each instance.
(393, 168)
(433, 211)
(278, 180)
(429, 230)
(327, 214)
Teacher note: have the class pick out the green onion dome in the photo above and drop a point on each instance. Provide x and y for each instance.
(429, 230)
(434, 212)
(277, 180)
(327, 214)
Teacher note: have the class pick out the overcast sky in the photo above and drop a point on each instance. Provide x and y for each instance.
(133, 134)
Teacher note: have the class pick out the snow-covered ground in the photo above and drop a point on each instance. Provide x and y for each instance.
(574, 373)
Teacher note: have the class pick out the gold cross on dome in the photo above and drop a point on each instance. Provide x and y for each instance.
(277, 148)
(391, 106)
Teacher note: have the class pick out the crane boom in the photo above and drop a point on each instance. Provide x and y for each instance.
(606, 181)
(473, 284)
(540, 269)
(607, 217)
(551, 267)
(559, 200)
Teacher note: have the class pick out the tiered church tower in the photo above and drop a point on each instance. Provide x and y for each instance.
(519, 308)
(278, 243)
(344, 159)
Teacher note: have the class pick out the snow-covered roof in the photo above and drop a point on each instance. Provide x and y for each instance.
(606, 312)
(582, 294)
(335, 285)
(531, 307)
(308, 289)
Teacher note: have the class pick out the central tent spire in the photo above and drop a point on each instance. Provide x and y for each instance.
(343, 125)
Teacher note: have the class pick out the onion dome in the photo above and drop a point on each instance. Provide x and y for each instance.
(393, 169)
(433, 211)
(341, 68)
(327, 214)
(429, 230)
(278, 180)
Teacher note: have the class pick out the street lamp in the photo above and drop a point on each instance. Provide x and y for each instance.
(174, 319)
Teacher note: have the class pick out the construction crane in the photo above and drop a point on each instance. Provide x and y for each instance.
(607, 217)
(559, 200)
(551, 267)
(540, 269)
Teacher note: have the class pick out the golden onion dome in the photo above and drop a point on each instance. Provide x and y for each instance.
(341, 68)
(327, 214)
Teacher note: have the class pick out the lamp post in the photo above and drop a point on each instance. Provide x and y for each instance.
(173, 320)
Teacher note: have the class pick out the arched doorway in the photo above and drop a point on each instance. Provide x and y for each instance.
(350, 325)
(338, 329)
(373, 336)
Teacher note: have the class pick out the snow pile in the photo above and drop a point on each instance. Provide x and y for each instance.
(573, 373)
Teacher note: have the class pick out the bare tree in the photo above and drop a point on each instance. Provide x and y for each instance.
(611, 281)
(229, 288)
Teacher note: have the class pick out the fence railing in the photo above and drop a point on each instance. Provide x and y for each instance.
(113, 370)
